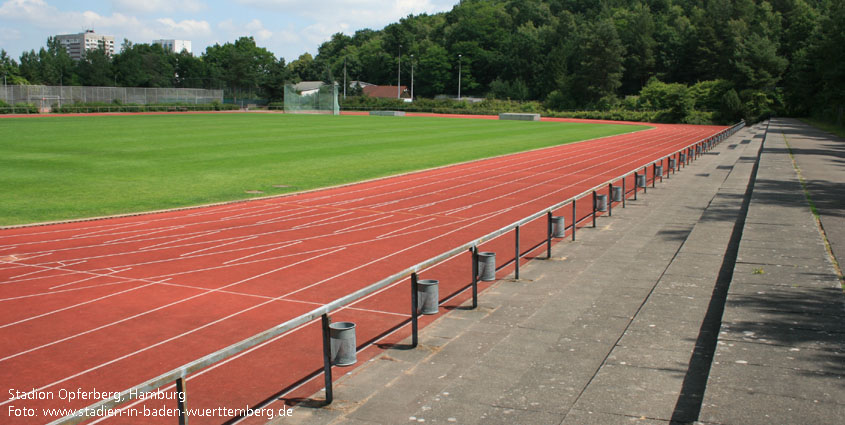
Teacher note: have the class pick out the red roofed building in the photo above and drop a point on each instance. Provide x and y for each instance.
(387, 92)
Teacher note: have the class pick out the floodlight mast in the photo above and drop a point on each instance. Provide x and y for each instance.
(459, 76)
(399, 75)
(412, 78)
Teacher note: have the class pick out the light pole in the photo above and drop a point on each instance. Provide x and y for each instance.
(459, 77)
(399, 75)
(344, 78)
(412, 78)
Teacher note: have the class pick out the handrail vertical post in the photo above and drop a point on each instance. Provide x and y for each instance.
(594, 209)
(415, 304)
(574, 219)
(624, 194)
(327, 360)
(610, 196)
(182, 399)
(645, 173)
(516, 257)
(474, 251)
(636, 177)
(654, 174)
(549, 234)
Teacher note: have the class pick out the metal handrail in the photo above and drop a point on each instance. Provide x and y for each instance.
(179, 374)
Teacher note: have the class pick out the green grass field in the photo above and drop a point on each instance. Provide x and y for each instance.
(56, 168)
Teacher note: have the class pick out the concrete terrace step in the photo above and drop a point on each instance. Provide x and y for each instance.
(781, 350)
(619, 326)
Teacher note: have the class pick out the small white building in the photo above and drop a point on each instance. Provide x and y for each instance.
(308, 87)
(175, 46)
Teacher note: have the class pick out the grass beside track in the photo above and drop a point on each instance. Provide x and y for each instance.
(57, 168)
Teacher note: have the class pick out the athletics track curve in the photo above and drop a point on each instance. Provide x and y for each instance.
(105, 305)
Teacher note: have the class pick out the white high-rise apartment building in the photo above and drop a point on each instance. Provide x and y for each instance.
(77, 44)
(175, 46)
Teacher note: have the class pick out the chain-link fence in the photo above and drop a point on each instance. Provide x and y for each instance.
(44, 97)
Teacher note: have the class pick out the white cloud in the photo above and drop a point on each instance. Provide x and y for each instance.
(25, 9)
(256, 28)
(319, 20)
(43, 15)
(355, 13)
(286, 27)
(158, 6)
(54, 21)
(9, 34)
(188, 28)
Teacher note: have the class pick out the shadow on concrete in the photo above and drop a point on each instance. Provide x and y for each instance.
(809, 317)
(827, 196)
(674, 235)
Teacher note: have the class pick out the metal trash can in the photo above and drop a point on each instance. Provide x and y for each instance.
(658, 171)
(617, 194)
(428, 296)
(672, 163)
(641, 180)
(601, 203)
(683, 157)
(558, 227)
(343, 346)
(487, 266)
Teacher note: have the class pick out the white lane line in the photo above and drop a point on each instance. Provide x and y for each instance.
(286, 244)
(5, 325)
(474, 222)
(160, 278)
(296, 216)
(315, 223)
(75, 282)
(149, 347)
(406, 228)
(60, 291)
(3, 403)
(144, 313)
(108, 228)
(68, 263)
(539, 156)
(329, 221)
(28, 274)
(144, 234)
(111, 273)
(208, 233)
(409, 198)
(237, 240)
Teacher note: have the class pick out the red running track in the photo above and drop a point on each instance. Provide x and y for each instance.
(105, 305)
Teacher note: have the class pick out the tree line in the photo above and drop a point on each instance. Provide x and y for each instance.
(735, 57)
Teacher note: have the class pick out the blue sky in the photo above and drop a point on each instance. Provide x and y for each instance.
(288, 28)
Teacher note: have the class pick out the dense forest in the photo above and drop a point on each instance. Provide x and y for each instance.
(731, 58)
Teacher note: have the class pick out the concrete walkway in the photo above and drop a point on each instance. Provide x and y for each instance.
(781, 351)
(622, 325)
(821, 159)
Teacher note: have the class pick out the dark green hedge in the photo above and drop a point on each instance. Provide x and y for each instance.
(99, 107)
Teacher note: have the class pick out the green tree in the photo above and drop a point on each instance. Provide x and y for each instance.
(304, 68)
(144, 65)
(10, 70)
(95, 69)
(598, 72)
(636, 31)
(242, 66)
(432, 70)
